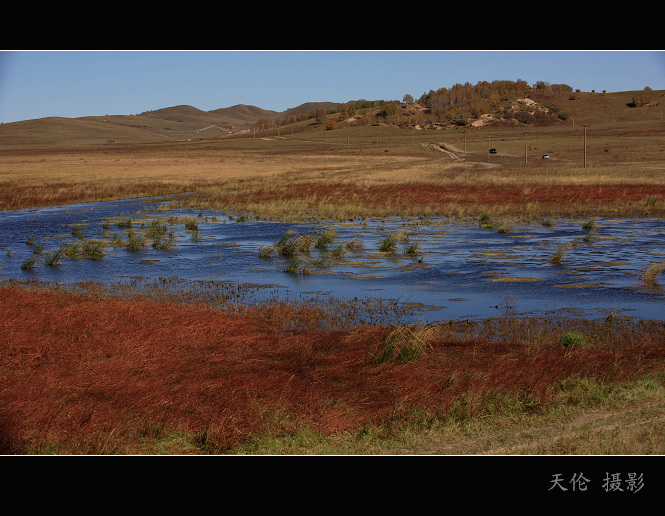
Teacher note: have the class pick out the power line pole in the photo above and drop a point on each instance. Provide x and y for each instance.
(585, 144)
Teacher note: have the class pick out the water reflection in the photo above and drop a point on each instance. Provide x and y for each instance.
(456, 269)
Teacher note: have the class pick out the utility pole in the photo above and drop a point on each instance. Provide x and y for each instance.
(585, 144)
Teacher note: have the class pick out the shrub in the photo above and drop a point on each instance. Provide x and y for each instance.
(572, 339)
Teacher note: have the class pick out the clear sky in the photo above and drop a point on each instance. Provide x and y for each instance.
(37, 84)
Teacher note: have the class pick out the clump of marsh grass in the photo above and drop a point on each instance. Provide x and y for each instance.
(556, 258)
(29, 264)
(652, 272)
(191, 225)
(296, 265)
(135, 242)
(401, 345)
(413, 248)
(325, 238)
(70, 251)
(486, 221)
(77, 231)
(338, 251)
(93, 249)
(292, 243)
(353, 245)
(164, 244)
(389, 244)
(124, 223)
(156, 229)
(589, 226)
(53, 258)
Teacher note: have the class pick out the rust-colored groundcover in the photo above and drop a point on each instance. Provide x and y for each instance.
(101, 373)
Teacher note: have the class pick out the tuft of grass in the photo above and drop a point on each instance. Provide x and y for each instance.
(296, 265)
(402, 345)
(53, 258)
(556, 258)
(164, 244)
(29, 264)
(191, 225)
(135, 242)
(291, 244)
(325, 238)
(93, 249)
(413, 248)
(338, 251)
(485, 221)
(389, 244)
(652, 272)
(156, 229)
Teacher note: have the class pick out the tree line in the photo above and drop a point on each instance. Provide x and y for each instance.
(456, 104)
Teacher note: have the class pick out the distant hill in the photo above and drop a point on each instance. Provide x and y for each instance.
(535, 107)
(178, 123)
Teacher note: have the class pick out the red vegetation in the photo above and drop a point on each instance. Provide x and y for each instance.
(101, 373)
(418, 196)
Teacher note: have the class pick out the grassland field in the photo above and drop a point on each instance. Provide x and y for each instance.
(96, 374)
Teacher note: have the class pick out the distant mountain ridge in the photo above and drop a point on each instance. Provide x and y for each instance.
(177, 122)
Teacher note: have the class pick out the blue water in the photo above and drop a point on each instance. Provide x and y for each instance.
(454, 275)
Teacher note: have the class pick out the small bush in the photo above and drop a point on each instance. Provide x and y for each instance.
(572, 339)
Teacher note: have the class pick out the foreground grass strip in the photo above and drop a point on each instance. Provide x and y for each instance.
(90, 375)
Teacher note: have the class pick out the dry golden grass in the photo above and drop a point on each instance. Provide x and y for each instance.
(356, 173)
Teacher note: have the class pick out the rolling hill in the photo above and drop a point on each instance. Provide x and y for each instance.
(173, 123)
(184, 122)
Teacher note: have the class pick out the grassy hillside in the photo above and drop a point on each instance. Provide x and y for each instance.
(178, 123)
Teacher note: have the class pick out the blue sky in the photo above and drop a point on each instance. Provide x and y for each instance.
(36, 84)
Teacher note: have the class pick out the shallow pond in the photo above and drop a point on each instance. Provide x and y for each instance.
(458, 270)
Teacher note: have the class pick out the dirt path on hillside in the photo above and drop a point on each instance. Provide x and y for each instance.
(576, 436)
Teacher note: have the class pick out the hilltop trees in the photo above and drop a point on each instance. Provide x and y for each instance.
(641, 97)
(462, 101)
(457, 105)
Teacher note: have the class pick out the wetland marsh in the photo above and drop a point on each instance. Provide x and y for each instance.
(428, 269)
(242, 318)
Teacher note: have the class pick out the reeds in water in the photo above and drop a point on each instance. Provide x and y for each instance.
(556, 258)
(652, 272)
(135, 242)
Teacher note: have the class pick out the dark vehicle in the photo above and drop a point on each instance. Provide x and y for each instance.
(492, 151)
(546, 156)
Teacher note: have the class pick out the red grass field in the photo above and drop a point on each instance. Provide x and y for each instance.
(89, 375)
